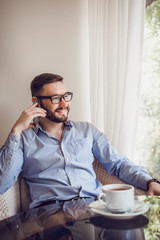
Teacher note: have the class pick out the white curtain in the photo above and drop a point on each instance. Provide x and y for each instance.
(116, 41)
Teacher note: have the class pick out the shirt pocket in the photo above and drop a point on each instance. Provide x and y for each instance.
(82, 149)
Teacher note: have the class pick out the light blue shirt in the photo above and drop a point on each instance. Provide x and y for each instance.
(57, 170)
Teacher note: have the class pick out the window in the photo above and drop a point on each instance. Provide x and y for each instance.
(147, 150)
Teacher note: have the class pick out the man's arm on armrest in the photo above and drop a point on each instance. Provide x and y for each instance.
(11, 161)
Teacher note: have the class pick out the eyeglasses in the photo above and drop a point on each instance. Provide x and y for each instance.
(58, 98)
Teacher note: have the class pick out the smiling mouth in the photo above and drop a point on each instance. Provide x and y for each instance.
(61, 110)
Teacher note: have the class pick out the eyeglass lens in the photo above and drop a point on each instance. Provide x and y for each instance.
(67, 97)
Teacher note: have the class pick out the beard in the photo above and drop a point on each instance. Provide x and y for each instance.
(53, 117)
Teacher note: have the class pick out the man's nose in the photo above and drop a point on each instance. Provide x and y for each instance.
(62, 102)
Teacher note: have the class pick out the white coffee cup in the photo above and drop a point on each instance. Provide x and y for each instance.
(118, 198)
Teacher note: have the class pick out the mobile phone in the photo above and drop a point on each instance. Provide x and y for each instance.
(36, 119)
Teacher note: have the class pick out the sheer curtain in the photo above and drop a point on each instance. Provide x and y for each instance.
(116, 40)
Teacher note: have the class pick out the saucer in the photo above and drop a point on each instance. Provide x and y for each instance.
(139, 208)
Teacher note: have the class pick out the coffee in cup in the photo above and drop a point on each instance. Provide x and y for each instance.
(117, 198)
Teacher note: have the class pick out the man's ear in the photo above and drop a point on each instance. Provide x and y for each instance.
(34, 99)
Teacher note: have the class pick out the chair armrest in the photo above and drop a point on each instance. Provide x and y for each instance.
(10, 202)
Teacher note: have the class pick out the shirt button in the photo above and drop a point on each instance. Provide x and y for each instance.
(67, 159)
(15, 143)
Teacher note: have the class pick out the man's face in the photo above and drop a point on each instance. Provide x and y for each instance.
(55, 112)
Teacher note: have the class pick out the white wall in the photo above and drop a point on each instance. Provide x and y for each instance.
(42, 36)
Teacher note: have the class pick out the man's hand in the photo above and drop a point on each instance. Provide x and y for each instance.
(154, 188)
(25, 120)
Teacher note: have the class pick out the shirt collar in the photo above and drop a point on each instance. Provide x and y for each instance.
(67, 123)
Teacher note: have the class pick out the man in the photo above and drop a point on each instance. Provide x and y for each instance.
(56, 155)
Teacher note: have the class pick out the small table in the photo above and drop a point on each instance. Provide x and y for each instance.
(78, 221)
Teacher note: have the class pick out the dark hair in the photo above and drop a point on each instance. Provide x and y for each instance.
(39, 81)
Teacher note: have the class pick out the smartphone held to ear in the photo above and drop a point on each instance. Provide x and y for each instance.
(36, 119)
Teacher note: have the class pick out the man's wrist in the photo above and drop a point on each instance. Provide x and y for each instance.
(16, 131)
(152, 180)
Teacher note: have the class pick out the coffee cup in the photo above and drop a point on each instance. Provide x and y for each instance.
(118, 198)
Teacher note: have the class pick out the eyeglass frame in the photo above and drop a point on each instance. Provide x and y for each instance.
(56, 95)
